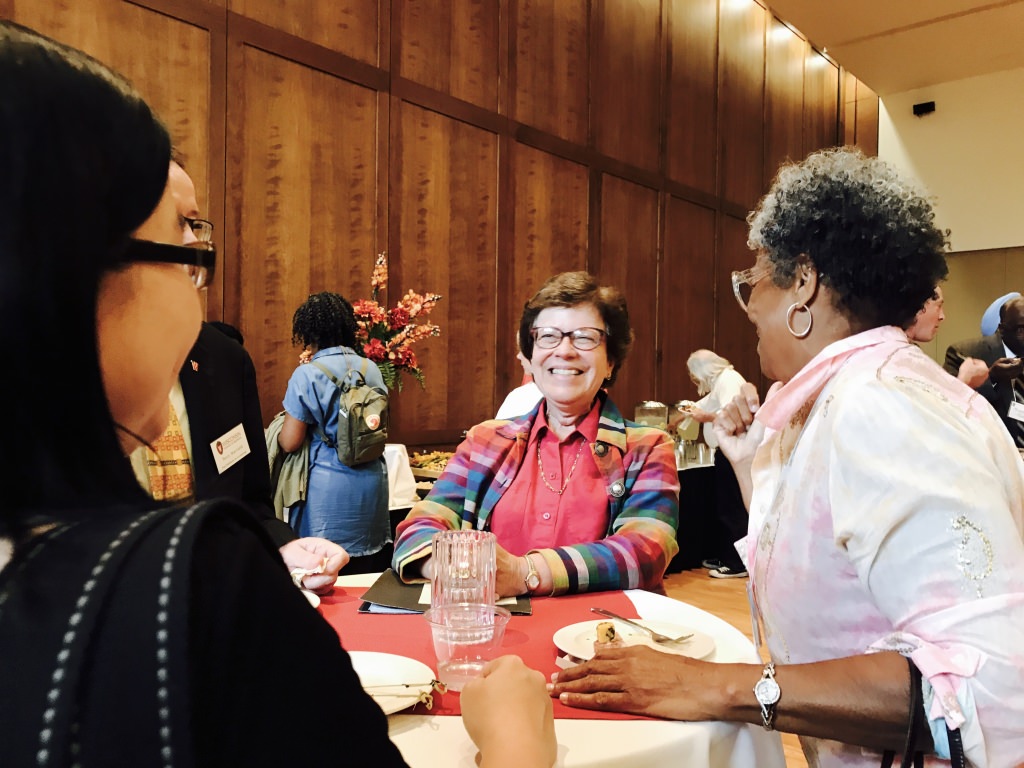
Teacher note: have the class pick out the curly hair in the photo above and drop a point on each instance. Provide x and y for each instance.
(869, 233)
(324, 320)
(570, 289)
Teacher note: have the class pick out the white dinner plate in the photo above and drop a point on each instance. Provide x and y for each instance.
(578, 639)
(385, 676)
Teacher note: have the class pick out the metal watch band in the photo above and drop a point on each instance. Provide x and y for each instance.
(768, 693)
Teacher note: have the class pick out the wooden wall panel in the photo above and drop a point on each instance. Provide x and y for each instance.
(741, 102)
(445, 202)
(821, 101)
(692, 118)
(298, 120)
(867, 120)
(452, 47)
(686, 295)
(549, 66)
(550, 210)
(168, 60)
(784, 98)
(629, 261)
(848, 113)
(626, 78)
(347, 26)
(302, 164)
(735, 339)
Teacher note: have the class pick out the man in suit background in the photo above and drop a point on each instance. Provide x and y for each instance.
(1003, 354)
(216, 402)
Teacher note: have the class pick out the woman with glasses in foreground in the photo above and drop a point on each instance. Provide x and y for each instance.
(135, 633)
(885, 501)
(579, 498)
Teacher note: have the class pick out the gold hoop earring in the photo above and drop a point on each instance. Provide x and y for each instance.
(793, 309)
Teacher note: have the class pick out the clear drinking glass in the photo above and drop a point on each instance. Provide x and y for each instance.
(464, 566)
(466, 636)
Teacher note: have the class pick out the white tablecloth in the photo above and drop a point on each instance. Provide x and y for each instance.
(428, 741)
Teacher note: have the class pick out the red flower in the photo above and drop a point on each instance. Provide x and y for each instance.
(398, 318)
(388, 333)
(375, 351)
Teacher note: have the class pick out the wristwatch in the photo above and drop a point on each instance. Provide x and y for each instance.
(768, 693)
(533, 577)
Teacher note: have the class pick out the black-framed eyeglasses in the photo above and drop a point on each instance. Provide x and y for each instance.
(584, 339)
(743, 283)
(199, 258)
(201, 228)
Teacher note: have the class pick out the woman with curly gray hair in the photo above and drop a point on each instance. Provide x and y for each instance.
(889, 582)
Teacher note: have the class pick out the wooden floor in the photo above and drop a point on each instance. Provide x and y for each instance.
(727, 599)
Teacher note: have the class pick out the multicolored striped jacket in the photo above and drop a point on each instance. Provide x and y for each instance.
(639, 467)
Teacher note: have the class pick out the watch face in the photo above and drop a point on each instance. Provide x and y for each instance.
(767, 691)
(533, 581)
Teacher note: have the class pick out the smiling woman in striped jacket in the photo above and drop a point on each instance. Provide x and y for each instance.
(579, 498)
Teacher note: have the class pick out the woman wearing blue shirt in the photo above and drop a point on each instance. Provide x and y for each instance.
(348, 505)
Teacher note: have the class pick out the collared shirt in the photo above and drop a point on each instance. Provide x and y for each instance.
(641, 494)
(530, 515)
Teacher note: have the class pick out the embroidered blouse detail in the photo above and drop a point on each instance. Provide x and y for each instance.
(974, 553)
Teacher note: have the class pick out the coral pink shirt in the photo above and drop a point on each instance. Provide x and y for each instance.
(530, 515)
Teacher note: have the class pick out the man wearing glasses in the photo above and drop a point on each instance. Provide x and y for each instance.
(216, 403)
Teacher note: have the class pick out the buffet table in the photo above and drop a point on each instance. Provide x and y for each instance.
(585, 738)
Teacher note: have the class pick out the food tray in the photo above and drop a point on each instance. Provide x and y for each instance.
(426, 474)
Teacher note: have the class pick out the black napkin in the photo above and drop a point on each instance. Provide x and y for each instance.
(389, 592)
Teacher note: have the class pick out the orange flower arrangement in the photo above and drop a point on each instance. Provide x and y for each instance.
(388, 334)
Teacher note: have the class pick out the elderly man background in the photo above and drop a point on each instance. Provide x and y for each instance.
(1001, 353)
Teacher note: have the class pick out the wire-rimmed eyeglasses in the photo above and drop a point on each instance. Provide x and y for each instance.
(743, 283)
(201, 228)
(584, 339)
(199, 258)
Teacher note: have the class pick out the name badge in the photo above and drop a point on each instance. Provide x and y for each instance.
(230, 448)
(1016, 411)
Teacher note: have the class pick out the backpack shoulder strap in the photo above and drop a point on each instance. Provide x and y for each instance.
(341, 388)
(329, 375)
(355, 377)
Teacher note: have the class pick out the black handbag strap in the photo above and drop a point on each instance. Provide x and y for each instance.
(915, 724)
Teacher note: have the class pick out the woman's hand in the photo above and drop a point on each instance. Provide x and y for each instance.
(507, 713)
(512, 570)
(639, 680)
(973, 372)
(737, 432)
(309, 553)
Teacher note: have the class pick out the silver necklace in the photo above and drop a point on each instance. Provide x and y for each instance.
(568, 477)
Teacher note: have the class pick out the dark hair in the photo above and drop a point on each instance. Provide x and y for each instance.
(228, 330)
(869, 233)
(570, 289)
(83, 163)
(324, 320)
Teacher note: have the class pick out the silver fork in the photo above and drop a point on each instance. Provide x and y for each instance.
(655, 636)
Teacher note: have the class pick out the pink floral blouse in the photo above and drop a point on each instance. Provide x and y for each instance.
(887, 515)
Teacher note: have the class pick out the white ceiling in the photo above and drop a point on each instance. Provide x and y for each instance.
(900, 45)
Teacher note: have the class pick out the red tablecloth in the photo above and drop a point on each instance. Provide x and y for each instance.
(528, 637)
